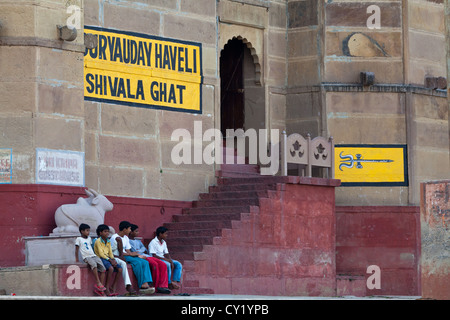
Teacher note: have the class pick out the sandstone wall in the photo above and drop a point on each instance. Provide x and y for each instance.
(397, 109)
(41, 83)
(302, 74)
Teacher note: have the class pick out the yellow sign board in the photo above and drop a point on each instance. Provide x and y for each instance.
(144, 71)
(371, 165)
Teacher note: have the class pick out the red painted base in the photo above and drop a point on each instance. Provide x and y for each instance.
(386, 236)
(28, 210)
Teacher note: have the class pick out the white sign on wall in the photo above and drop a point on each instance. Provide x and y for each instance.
(5, 165)
(59, 167)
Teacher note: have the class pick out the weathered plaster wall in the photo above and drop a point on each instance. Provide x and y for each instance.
(435, 224)
(385, 236)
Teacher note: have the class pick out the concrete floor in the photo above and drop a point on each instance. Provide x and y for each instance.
(208, 297)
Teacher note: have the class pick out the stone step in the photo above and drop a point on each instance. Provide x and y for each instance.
(189, 241)
(226, 202)
(243, 187)
(229, 174)
(253, 180)
(185, 248)
(189, 266)
(197, 290)
(234, 160)
(191, 283)
(182, 256)
(233, 195)
(197, 225)
(350, 285)
(214, 210)
(187, 233)
(206, 217)
(244, 168)
(238, 192)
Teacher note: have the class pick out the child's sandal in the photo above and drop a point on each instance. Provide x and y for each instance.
(99, 288)
(100, 293)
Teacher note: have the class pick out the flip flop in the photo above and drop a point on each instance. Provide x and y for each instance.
(99, 288)
(100, 293)
(173, 286)
(146, 291)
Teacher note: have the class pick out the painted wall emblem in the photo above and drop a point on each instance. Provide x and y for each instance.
(371, 165)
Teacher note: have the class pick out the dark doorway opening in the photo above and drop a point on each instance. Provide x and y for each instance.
(232, 101)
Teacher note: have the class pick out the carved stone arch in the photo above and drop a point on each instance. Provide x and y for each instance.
(253, 38)
(256, 60)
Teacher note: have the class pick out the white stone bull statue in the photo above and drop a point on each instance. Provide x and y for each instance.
(91, 211)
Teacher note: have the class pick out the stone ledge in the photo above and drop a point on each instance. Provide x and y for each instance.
(313, 181)
(40, 42)
(53, 280)
(355, 87)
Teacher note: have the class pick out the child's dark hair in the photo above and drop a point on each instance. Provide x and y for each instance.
(124, 225)
(134, 227)
(161, 230)
(83, 226)
(100, 228)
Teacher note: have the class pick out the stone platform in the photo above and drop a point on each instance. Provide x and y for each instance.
(54, 249)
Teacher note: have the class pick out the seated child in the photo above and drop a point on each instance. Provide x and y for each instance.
(158, 267)
(83, 245)
(102, 248)
(158, 248)
(120, 244)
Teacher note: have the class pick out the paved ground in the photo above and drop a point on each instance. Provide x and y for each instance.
(209, 297)
(214, 306)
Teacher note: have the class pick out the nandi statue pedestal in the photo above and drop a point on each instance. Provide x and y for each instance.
(59, 246)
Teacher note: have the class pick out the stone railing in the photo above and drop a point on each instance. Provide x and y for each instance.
(307, 153)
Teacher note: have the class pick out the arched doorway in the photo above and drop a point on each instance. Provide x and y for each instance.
(242, 102)
(232, 107)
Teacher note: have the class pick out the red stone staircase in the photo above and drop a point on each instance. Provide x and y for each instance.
(249, 213)
(237, 193)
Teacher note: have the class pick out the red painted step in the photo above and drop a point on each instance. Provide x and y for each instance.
(239, 189)
(253, 180)
(243, 187)
(233, 195)
(213, 210)
(194, 233)
(201, 240)
(182, 256)
(221, 174)
(191, 283)
(198, 225)
(185, 248)
(226, 202)
(195, 290)
(207, 217)
(243, 168)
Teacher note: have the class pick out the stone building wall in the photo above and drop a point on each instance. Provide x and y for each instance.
(302, 73)
(41, 83)
(398, 109)
(128, 149)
